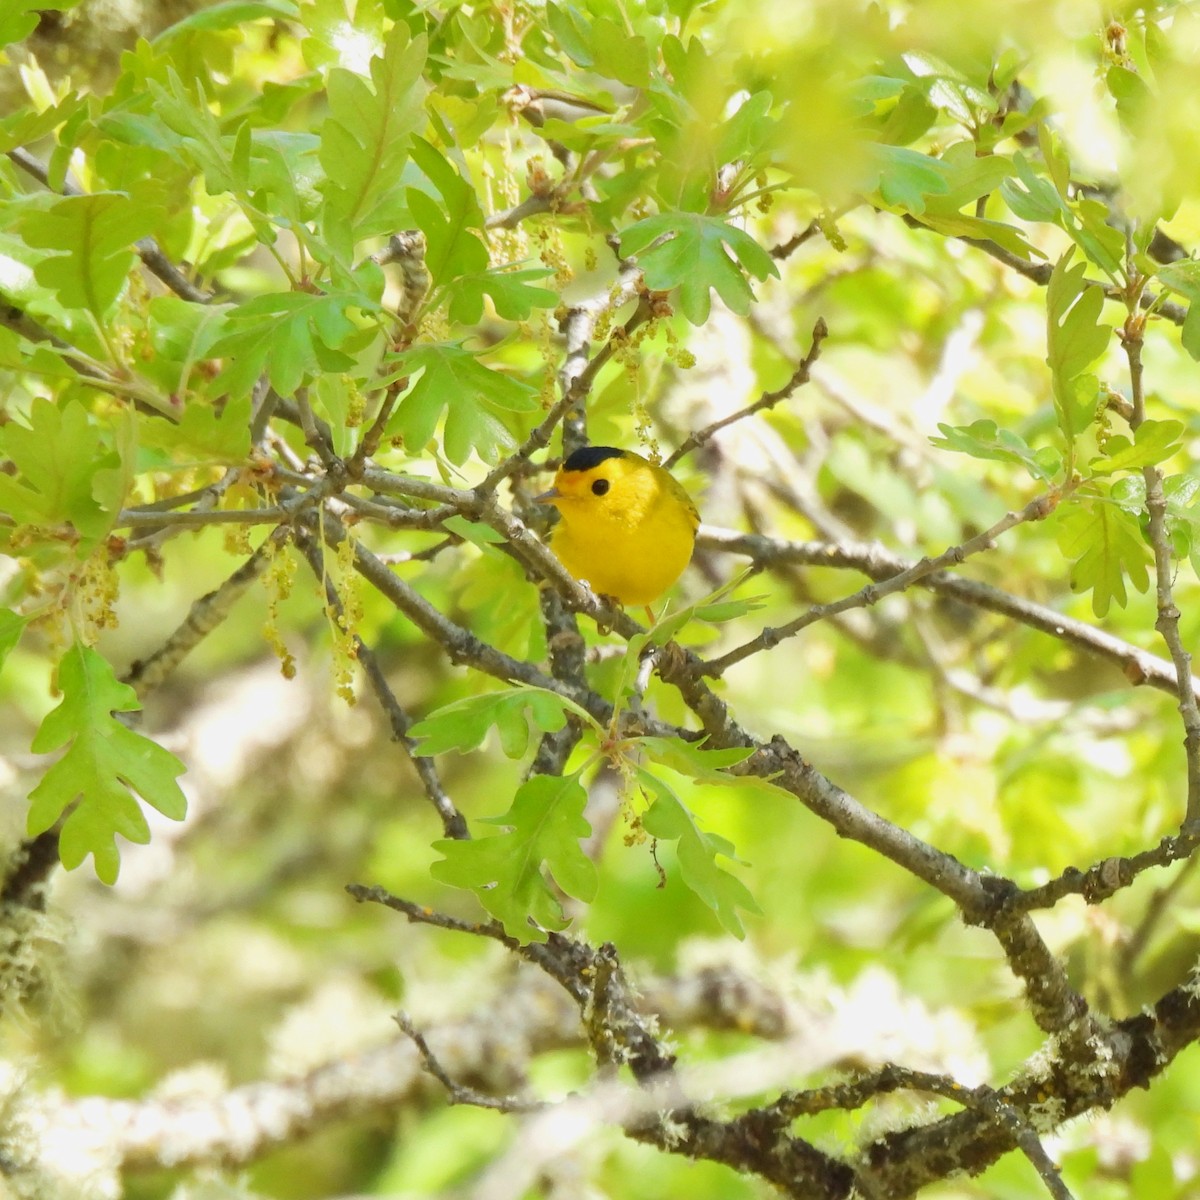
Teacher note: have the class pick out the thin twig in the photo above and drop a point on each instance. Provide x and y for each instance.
(800, 376)
(263, 401)
(892, 1077)
(1035, 510)
(387, 483)
(1054, 1004)
(393, 515)
(1039, 273)
(1167, 622)
(151, 534)
(318, 438)
(566, 647)
(1102, 880)
(1157, 906)
(480, 505)
(578, 372)
(396, 557)
(452, 820)
(1139, 666)
(759, 1140)
(196, 518)
(567, 652)
(143, 398)
(420, 914)
(531, 206)
(459, 1093)
(786, 249)
(203, 617)
(460, 644)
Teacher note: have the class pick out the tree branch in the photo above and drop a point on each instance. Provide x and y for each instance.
(1167, 622)
(1139, 666)
(800, 376)
(578, 372)
(1035, 510)
(453, 822)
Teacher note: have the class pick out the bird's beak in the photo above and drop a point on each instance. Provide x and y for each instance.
(548, 497)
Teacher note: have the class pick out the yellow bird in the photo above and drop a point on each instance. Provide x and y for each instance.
(627, 527)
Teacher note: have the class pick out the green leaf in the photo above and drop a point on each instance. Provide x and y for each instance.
(1129, 494)
(1105, 545)
(229, 15)
(697, 761)
(1153, 442)
(689, 63)
(206, 433)
(899, 112)
(112, 482)
(903, 177)
(19, 18)
(697, 253)
(1184, 278)
(876, 94)
(749, 132)
(620, 55)
(105, 764)
(92, 238)
(593, 131)
(669, 820)
(1180, 491)
(465, 119)
(542, 831)
(57, 457)
(1183, 516)
(478, 403)
(1016, 122)
(1133, 96)
(985, 439)
(949, 89)
(12, 625)
(1036, 199)
(284, 174)
(475, 63)
(463, 725)
(289, 336)
(34, 358)
(1074, 341)
(452, 246)
(27, 125)
(201, 137)
(980, 229)
(729, 610)
(512, 296)
(474, 532)
(1055, 158)
(1031, 197)
(1094, 233)
(182, 335)
(1190, 331)
(572, 31)
(712, 609)
(365, 140)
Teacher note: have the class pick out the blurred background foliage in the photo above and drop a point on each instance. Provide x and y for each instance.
(228, 951)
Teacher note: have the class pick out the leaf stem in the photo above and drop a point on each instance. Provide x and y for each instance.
(1167, 622)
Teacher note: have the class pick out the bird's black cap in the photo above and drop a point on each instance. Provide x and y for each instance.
(587, 457)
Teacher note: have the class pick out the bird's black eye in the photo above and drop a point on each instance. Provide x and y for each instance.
(600, 487)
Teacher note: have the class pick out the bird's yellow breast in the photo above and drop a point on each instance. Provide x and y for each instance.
(631, 541)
